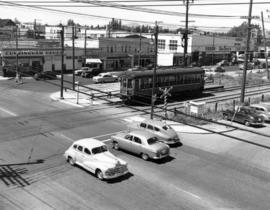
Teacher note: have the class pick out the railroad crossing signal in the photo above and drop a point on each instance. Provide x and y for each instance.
(165, 94)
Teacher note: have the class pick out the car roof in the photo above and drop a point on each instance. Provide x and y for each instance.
(89, 142)
(258, 105)
(142, 134)
(154, 122)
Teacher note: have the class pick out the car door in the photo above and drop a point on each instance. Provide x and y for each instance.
(237, 116)
(136, 145)
(109, 78)
(78, 155)
(242, 116)
(126, 142)
(87, 160)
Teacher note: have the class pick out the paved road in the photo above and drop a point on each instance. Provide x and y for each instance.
(208, 172)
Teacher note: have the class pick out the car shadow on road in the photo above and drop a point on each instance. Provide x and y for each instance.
(120, 179)
(176, 145)
(163, 160)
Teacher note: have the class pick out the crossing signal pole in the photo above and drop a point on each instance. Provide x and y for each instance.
(165, 94)
(185, 35)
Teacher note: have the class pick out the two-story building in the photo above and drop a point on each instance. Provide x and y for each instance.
(118, 53)
(203, 49)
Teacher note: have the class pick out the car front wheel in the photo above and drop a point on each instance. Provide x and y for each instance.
(247, 123)
(71, 161)
(99, 174)
(144, 156)
(115, 145)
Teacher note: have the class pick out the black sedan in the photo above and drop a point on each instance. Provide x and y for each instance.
(45, 75)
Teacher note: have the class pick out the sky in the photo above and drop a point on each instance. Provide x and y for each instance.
(168, 13)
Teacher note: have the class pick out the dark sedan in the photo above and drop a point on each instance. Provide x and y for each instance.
(45, 75)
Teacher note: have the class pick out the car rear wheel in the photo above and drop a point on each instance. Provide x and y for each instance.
(225, 117)
(247, 123)
(71, 161)
(144, 156)
(99, 174)
(115, 145)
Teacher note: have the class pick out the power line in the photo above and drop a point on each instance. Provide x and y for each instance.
(127, 7)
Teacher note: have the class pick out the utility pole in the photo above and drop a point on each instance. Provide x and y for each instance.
(140, 48)
(213, 49)
(154, 96)
(85, 46)
(17, 55)
(265, 49)
(62, 62)
(35, 24)
(185, 35)
(73, 57)
(242, 97)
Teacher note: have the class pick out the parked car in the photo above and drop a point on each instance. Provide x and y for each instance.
(164, 132)
(140, 142)
(263, 110)
(250, 66)
(223, 63)
(105, 77)
(90, 73)
(80, 71)
(93, 156)
(45, 75)
(217, 69)
(245, 115)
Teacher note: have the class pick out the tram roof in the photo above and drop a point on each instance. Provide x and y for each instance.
(133, 74)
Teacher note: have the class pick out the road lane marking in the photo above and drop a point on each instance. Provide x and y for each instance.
(66, 137)
(9, 112)
(108, 134)
(192, 194)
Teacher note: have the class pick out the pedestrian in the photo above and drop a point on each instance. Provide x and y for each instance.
(20, 78)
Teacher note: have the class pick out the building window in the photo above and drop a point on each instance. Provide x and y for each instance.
(173, 45)
(161, 44)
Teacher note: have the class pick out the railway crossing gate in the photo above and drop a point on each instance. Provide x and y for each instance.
(165, 94)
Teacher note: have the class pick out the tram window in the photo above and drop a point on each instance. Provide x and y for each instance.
(129, 84)
(172, 79)
(124, 82)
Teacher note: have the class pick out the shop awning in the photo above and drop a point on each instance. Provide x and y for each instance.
(93, 60)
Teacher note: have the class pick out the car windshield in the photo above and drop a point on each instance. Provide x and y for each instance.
(100, 149)
(166, 127)
(84, 68)
(152, 140)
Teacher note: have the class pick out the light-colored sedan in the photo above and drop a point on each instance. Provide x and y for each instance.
(263, 110)
(164, 132)
(105, 77)
(142, 143)
(79, 72)
(94, 156)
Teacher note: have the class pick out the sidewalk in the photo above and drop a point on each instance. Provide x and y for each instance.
(84, 100)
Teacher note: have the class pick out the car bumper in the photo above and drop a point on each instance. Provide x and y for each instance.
(115, 175)
(256, 123)
(172, 142)
(160, 156)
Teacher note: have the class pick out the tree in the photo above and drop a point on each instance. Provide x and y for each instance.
(16, 21)
(70, 22)
(30, 34)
